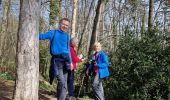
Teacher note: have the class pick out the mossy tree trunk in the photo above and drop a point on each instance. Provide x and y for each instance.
(55, 11)
(4, 26)
(95, 25)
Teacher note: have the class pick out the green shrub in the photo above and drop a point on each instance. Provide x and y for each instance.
(7, 76)
(45, 58)
(140, 69)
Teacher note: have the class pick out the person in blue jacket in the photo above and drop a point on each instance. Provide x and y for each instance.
(99, 67)
(61, 60)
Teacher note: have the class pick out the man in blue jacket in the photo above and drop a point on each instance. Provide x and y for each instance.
(61, 60)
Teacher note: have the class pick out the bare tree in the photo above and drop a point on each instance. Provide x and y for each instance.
(3, 28)
(101, 20)
(150, 18)
(27, 77)
(167, 2)
(95, 25)
(86, 24)
(73, 29)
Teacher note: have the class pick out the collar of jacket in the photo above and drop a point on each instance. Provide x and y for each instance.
(99, 52)
(59, 30)
(71, 45)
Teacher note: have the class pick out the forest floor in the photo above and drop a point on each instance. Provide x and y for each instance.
(7, 88)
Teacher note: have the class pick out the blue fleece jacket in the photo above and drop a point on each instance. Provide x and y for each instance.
(60, 44)
(102, 64)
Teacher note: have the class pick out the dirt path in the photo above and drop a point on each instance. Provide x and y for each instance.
(7, 88)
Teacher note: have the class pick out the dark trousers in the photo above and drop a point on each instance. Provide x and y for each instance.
(58, 70)
(62, 83)
(70, 83)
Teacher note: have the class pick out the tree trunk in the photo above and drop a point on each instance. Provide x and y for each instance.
(167, 2)
(74, 15)
(101, 27)
(27, 76)
(114, 33)
(150, 18)
(143, 23)
(55, 11)
(3, 29)
(86, 25)
(95, 25)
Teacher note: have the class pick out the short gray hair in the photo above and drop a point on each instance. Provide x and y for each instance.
(66, 19)
(74, 39)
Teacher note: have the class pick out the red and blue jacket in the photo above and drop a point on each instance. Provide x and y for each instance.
(102, 64)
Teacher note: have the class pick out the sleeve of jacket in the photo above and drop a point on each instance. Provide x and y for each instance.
(47, 35)
(104, 61)
(74, 56)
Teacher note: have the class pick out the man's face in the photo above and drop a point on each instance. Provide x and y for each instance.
(64, 25)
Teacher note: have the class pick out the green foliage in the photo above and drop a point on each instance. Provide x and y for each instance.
(140, 69)
(134, 4)
(44, 59)
(7, 59)
(80, 72)
(44, 85)
(42, 25)
(44, 52)
(6, 76)
(80, 77)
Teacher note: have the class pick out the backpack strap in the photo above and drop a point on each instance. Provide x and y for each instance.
(67, 40)
(52, 41)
